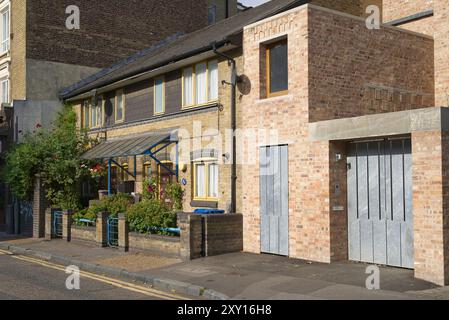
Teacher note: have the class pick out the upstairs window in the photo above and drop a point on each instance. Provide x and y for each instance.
(159, 96)
(200, 84)
(277, 68)
(4, 17)
(212, 14)
(86, 114)
(97, 113)
(120, 106)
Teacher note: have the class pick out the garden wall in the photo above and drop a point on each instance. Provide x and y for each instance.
(81, 233)
(210, 235)
(163, 245)
(201, 235)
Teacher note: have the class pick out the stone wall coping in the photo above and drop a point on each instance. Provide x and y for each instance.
(154, 237)
(378, 125)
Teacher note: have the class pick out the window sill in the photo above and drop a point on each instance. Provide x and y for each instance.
(204, 204)
(210, 103)
(275, 98)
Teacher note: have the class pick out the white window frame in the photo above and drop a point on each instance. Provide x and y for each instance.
(119, 93)
(157, 112)
(4, 99)
(5, 43)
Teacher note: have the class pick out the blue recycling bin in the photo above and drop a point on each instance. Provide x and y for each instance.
(209, 211)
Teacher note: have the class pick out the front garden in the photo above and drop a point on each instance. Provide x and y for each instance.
(145, 214)
(55, 155)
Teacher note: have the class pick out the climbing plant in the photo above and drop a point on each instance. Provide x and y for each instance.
(55, 155)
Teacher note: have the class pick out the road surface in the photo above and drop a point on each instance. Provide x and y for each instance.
(25, 278)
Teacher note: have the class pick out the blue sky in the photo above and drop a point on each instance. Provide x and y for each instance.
(253, 3)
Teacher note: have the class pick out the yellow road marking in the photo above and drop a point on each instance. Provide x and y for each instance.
(114, 282)
(3, 252)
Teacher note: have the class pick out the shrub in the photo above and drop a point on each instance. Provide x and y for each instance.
(118, 203)
(150, 215)
(84, 214)
(175, 193)
(56, 156)
(114, 205)
(149, 189)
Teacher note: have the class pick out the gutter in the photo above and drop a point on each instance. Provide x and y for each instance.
(233, 83)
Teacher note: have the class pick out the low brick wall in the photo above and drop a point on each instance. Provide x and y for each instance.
(223, 234)
(210, 235)
(81, 233)
(168, 246)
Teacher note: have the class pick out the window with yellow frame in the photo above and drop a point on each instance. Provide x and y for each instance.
(277, 68)
(159, 96)
(120, 106)
(205, 181)
(85, 111)
(200, 84)
(97, 113)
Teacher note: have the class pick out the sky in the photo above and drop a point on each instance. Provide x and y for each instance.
(253, 3)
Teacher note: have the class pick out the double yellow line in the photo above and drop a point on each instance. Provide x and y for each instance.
(113, 282)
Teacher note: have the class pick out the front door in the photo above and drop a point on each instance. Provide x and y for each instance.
(274, 198)
(165, 177)
(380, 204)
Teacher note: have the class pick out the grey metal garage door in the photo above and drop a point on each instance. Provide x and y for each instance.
(380, 207)
(274, 199)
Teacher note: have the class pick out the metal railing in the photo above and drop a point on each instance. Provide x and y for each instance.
(57, 224)
(112, 232)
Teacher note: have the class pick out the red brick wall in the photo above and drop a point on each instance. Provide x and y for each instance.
(110, 29)
(338, 201)
(397, 9)
(337, 68)
(442, 52)
(431, 205)
(355, 71)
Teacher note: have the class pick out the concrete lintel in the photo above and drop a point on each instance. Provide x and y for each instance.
(377, 125)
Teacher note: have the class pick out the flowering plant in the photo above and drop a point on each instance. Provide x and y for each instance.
(150, 189)
(97, 171)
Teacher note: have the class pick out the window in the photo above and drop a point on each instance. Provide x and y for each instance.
(5, 90)
(277, 68)
(123, 172)
(212, 14)
(188, 87)
(86, 114)
(159, 96)
(205, 181)
(213, 80)
(200, 84)
(120, 106)
(97, 113)
(147, 170)
(5, 30)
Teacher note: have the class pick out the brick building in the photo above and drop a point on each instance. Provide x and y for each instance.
(342, 130)
(39, 54)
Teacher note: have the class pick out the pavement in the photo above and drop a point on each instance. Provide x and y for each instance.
(235, 276)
